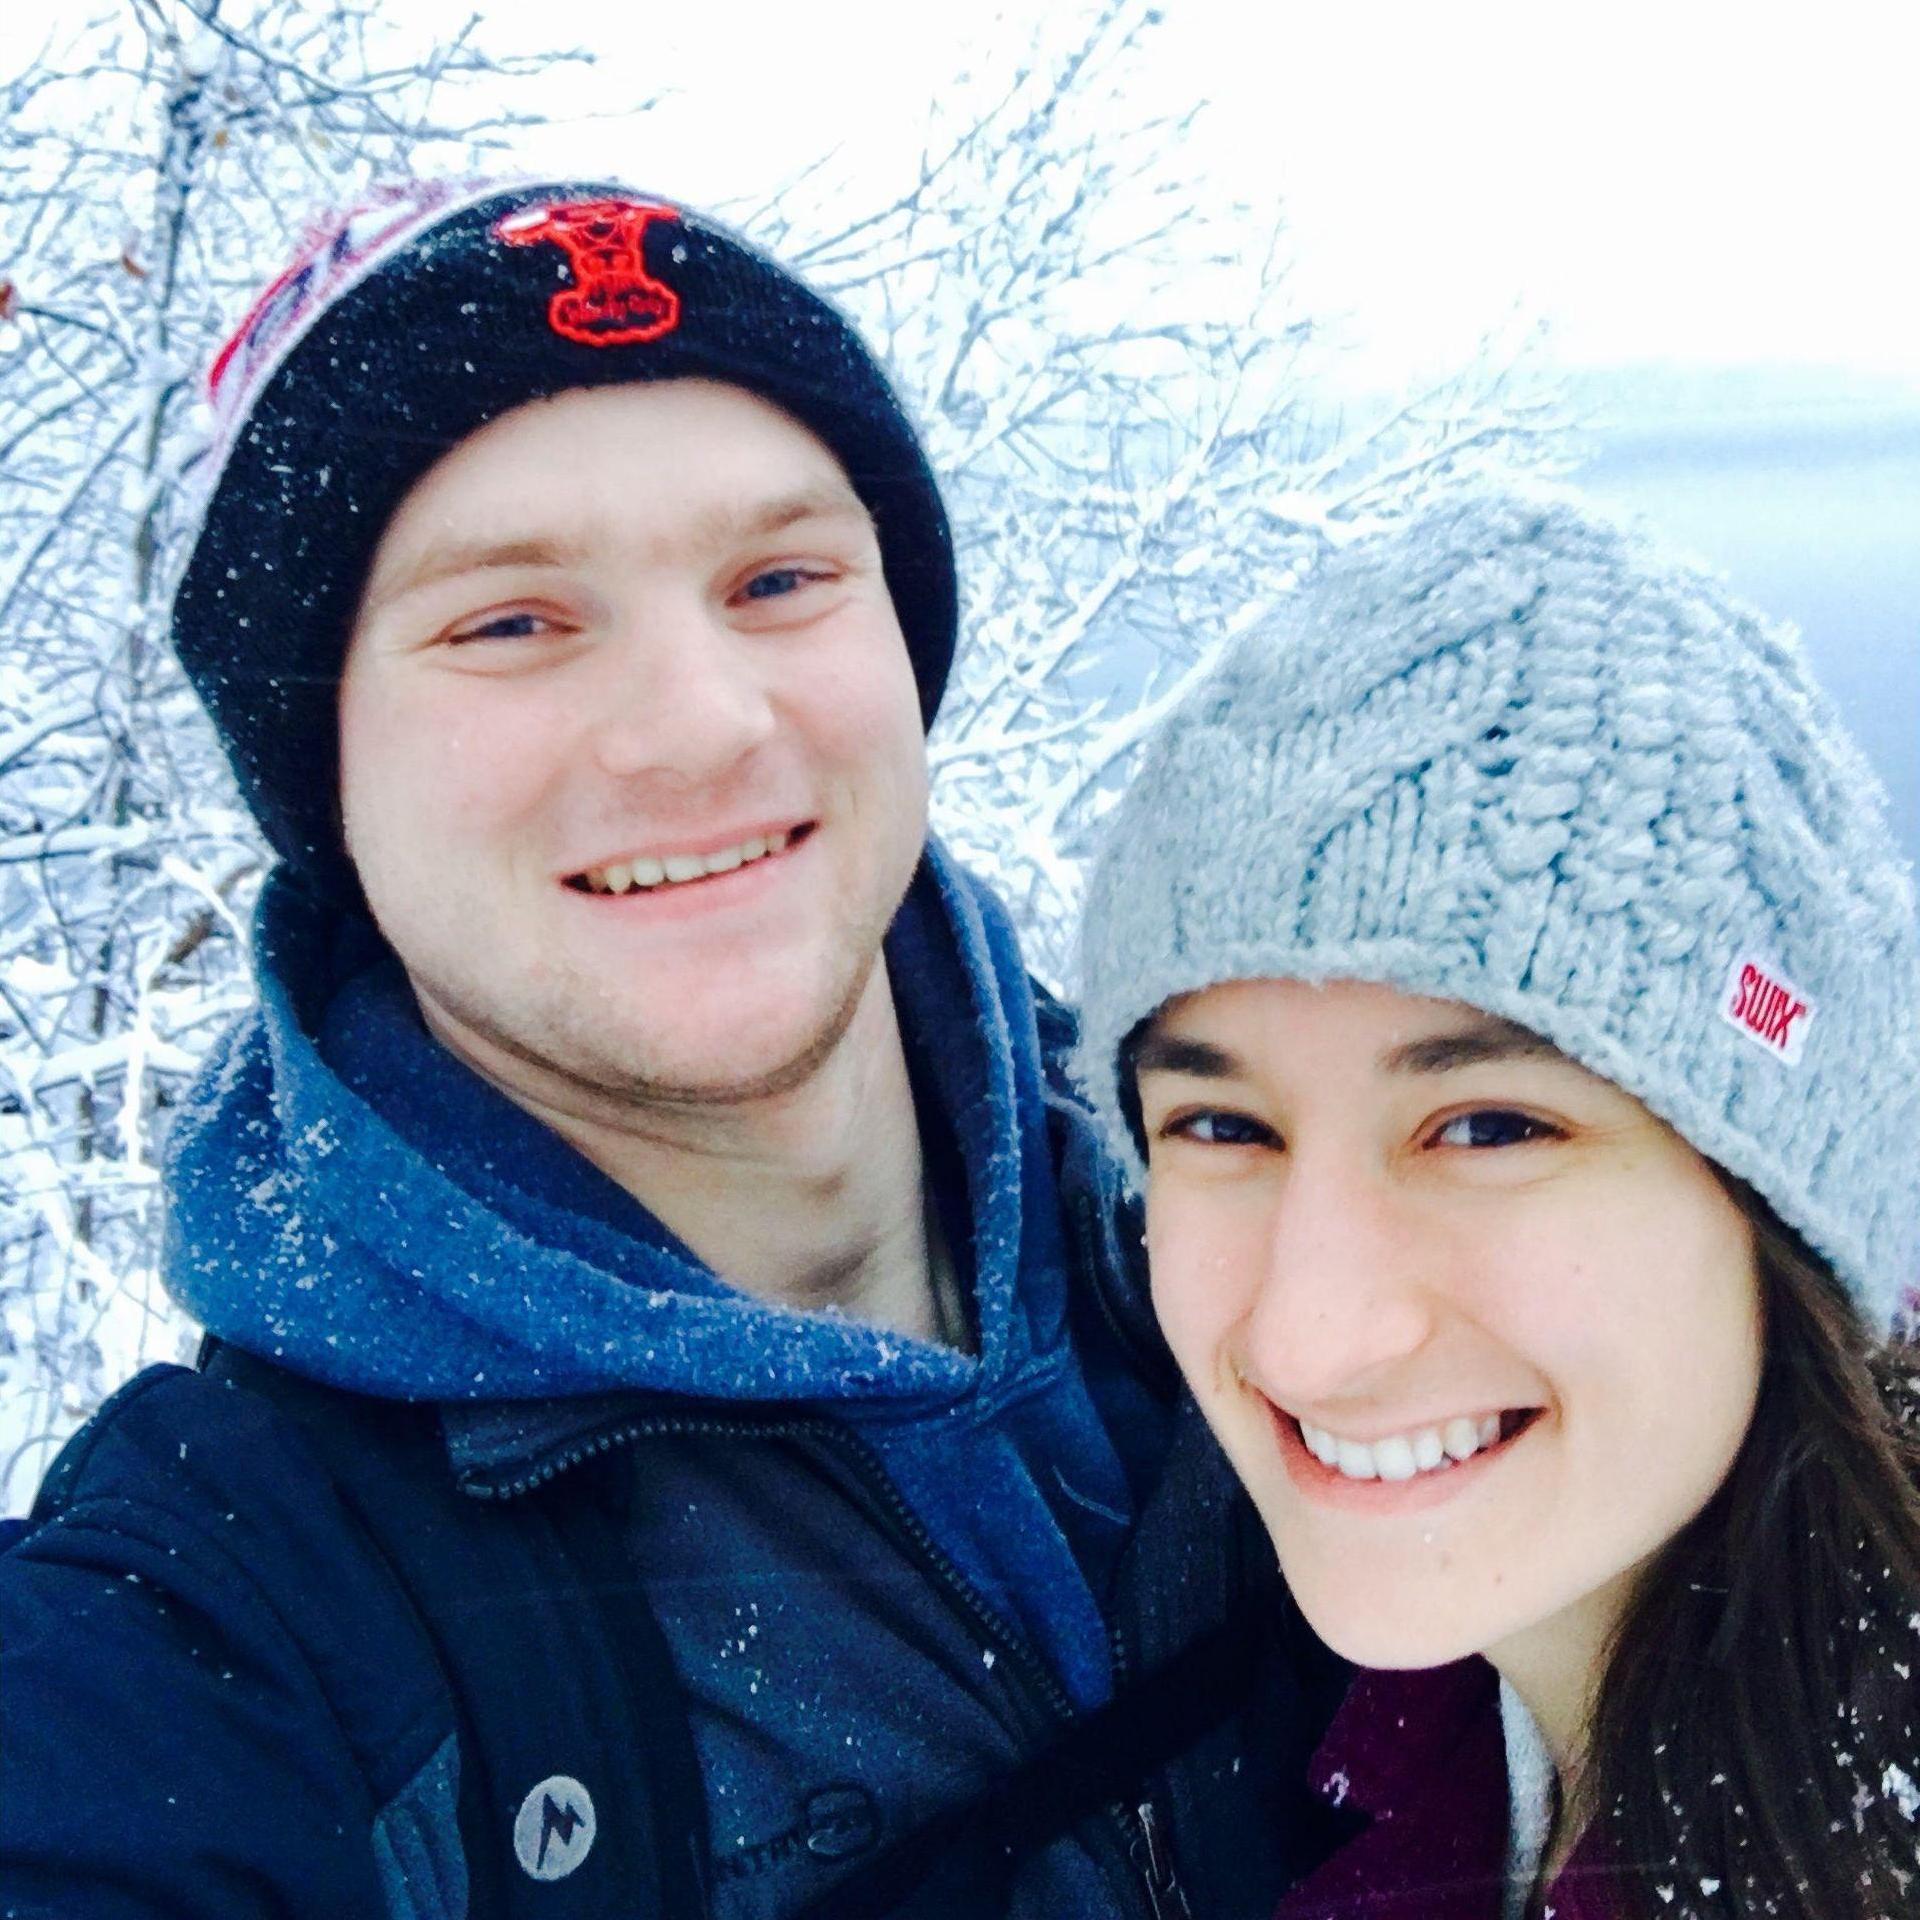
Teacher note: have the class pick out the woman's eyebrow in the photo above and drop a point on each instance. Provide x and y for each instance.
(1474, 1046)
(1169, 1053)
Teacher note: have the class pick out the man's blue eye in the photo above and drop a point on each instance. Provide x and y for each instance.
(504, 626)
(1492, 1127)
(777, 581)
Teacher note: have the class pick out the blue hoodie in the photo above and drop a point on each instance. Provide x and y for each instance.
(350, 1200)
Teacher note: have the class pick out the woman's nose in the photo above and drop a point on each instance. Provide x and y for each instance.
(1347, 1292)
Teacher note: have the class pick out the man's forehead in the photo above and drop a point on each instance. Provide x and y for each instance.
(681, 463)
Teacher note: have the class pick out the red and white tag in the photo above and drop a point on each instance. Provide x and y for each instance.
(1760, 1002)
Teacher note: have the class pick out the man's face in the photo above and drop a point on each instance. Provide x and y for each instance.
(613, 640)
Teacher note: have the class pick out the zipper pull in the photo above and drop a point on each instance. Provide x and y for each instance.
(1151, 1856)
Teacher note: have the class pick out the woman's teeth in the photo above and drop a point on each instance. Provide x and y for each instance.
(623, 876)
(1402, 1455)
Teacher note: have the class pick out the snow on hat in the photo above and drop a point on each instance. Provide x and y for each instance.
(1510, 755)
(415, 319)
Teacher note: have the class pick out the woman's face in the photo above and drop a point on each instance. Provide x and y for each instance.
(1477, 1330)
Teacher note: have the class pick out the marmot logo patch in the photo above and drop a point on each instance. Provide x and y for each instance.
(554, 1829)
(1761, 1003)
(614, 301)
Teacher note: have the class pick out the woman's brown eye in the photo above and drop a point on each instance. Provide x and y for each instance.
(1492, 1127)
(1215, 1129)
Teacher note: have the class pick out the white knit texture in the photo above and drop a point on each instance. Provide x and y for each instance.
(1510, 754)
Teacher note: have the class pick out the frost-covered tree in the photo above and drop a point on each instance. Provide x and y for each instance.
(156, 162)
(1118, 387)
(1130, 410)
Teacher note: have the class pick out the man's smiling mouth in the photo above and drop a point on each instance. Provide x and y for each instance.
(1418, 1452)
(647, 874)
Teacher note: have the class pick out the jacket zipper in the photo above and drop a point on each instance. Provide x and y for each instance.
(1146, 1845)
(1164, 1892)
(1137, 1828)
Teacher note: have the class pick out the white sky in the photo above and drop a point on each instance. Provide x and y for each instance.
(1691, 180)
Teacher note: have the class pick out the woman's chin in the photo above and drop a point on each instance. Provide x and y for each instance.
(1370, 1638)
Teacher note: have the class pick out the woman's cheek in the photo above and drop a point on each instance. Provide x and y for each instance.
(1195, 1285)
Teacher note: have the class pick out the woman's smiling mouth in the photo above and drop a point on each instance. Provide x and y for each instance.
(1424, 1457)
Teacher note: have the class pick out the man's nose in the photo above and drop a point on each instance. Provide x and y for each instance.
(1349, 1290)
(679, 695)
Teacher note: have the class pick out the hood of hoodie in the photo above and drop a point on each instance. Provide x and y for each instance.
(305, 1225)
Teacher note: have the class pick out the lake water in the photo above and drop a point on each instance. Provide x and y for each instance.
(1813, 513)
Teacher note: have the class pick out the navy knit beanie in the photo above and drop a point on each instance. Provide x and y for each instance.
(411, 322)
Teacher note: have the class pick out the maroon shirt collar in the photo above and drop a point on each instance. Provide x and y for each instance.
(1422, 1757)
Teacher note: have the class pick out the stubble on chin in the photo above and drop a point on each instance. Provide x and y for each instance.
(562, 1061)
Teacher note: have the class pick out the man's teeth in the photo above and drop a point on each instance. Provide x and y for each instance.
(625, 875)
(1402, 1455)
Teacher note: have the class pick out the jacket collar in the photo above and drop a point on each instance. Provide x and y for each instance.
(305, 1227)
(501, 1448)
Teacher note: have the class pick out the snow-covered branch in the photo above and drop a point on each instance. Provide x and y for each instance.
(155, 167)
(1136, 422)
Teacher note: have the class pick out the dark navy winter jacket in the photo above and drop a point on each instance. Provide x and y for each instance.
(887, 1579)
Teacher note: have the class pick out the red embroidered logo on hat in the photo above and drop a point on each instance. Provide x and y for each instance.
(1760, 1002)
(614, 301)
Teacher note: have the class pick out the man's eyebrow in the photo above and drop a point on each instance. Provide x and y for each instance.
(716, 529)
(819, 502)
(1158, 1052)
(1490, 1038)
(475, 556)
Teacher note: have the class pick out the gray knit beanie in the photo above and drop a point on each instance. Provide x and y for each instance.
(1508, 754)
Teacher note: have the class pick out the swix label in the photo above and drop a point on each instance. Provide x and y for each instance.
(1760, 1002)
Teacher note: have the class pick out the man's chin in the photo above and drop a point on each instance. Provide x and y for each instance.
(708, 1059)
(731, 1057)
(741, 1076)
